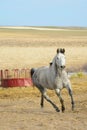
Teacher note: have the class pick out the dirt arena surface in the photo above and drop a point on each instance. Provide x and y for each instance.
(25, 113)
(20, 107)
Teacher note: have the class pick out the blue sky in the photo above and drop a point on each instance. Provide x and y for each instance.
(43, 13)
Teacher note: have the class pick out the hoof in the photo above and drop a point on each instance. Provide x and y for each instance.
(63, 108)
(57, 110)
(42, 106)
(72, 108)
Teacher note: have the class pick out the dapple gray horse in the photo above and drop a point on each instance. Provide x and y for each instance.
(53, 77)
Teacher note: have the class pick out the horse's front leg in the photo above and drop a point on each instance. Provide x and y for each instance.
(61, 99)
(42, 101)
(71, 94)
(72, 100)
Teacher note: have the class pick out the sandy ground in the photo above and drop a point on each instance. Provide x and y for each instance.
(26, 114)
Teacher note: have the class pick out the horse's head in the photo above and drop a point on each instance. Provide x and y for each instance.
(60, 58)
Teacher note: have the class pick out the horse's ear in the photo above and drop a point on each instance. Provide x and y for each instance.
(63, 50)
(51, 63)
(58, 50)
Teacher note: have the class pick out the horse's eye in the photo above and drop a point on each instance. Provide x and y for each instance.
(57, 58)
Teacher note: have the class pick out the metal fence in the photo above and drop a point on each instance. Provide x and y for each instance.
(15, 78)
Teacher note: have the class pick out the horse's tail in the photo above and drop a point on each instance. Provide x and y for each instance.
(32, 72)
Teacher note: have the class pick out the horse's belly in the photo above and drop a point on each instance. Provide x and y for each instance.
(48, 84)
(50, 87)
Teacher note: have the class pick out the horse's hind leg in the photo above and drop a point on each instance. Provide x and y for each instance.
(61, 100)
(49, 100)
(41, 89)
(44, 95)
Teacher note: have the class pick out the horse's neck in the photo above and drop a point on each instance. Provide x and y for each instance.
(56, 71)
(59, 73)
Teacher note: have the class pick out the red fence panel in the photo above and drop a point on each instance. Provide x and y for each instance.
(16, 82)
(18, 78)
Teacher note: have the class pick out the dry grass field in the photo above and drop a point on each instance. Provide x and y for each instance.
(26, 48)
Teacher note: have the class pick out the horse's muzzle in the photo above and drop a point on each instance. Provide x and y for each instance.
(62, 67)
